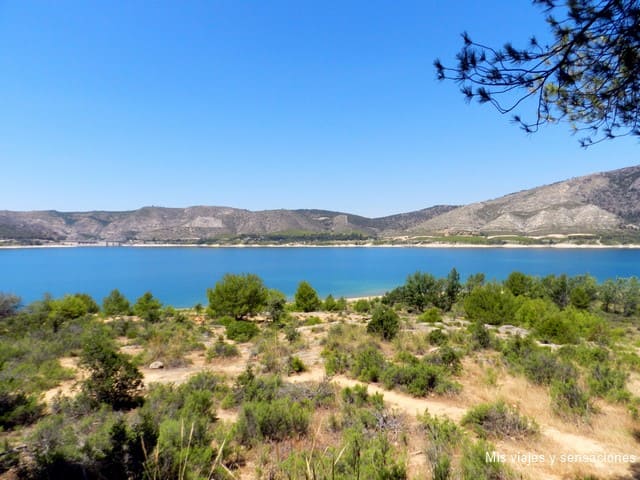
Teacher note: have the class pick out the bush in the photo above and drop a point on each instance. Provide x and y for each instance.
(368, 363)
(276, 305)
(306, 298)
(570, 400)
(241, 330)
(222, 349)
(442, 435)
(311, 321)
(556, 329)
(295, 365)
(490, 304)
(148, 308)
(115, 304)
(238, 296)
(608, 382)
(481, 338)
(418, 379)
(531, 312)
(446, 357)
(538, 364)
(113, 379)
(272, 421)
(475, 465)
(358, 396)
(437, 337)
(498, 420)
(9, 304)
(17, 408)
(169, 342)
(291, 333)
(330, 304)
(336, 362)
(361, 305)
(431, 315)
(384, 322)
(68, 308)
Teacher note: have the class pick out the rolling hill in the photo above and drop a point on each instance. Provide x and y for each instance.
(602, 203)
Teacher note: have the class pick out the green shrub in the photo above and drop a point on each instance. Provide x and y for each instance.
(291, 333)
(306, 298)
(481, 337)
(17, 408)
(237, 296)
(437, 337)
(169, 342)
(295, 365)
(570, 400)
(241, 330)
(384, 322)
(222, 349)
(112, 379)
(276, 305)
(272, 421)
(361, 305)
(443, 435)
(249, 387)
(446, 357)
(530, 312)
(115, 304)
(330, 304)
(336, 362)
(368, 363)
(430, 315)
(9, 304)
(538, 364)
(556, 329)
(498, 420)
(419, 379)
(311, 321)
(358, 396)
(474, 464)
(607, 381)
(490, 304)
(148, 308)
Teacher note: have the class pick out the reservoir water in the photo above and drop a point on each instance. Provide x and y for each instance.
(180, 276)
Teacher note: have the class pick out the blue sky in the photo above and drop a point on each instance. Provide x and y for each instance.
(263, 104)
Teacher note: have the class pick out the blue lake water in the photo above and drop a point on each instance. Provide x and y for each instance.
(180, 276)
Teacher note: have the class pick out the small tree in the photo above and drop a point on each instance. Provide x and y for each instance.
(148, 308)
(113, 379)
(66, 308)
(490, 304)
(115, 304)
(421, 290)
(518, 283)
(452, 289)
(8, 304)
(384, 322)
(276, 303)
(237, 296)
(306, 298)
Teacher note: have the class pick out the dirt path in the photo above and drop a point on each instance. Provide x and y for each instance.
(552, 441)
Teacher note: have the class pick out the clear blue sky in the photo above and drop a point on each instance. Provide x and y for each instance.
(116, 105)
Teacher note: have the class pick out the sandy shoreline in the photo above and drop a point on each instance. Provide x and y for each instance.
(344, 245)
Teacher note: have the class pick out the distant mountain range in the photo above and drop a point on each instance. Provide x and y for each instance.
(600, 204)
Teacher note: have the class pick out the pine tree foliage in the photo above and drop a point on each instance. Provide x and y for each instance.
(589, 75)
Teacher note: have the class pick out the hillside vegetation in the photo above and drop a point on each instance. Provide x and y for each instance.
(598, 209)
(528, 378)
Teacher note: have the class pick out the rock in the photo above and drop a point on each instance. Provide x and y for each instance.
(156, 365)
